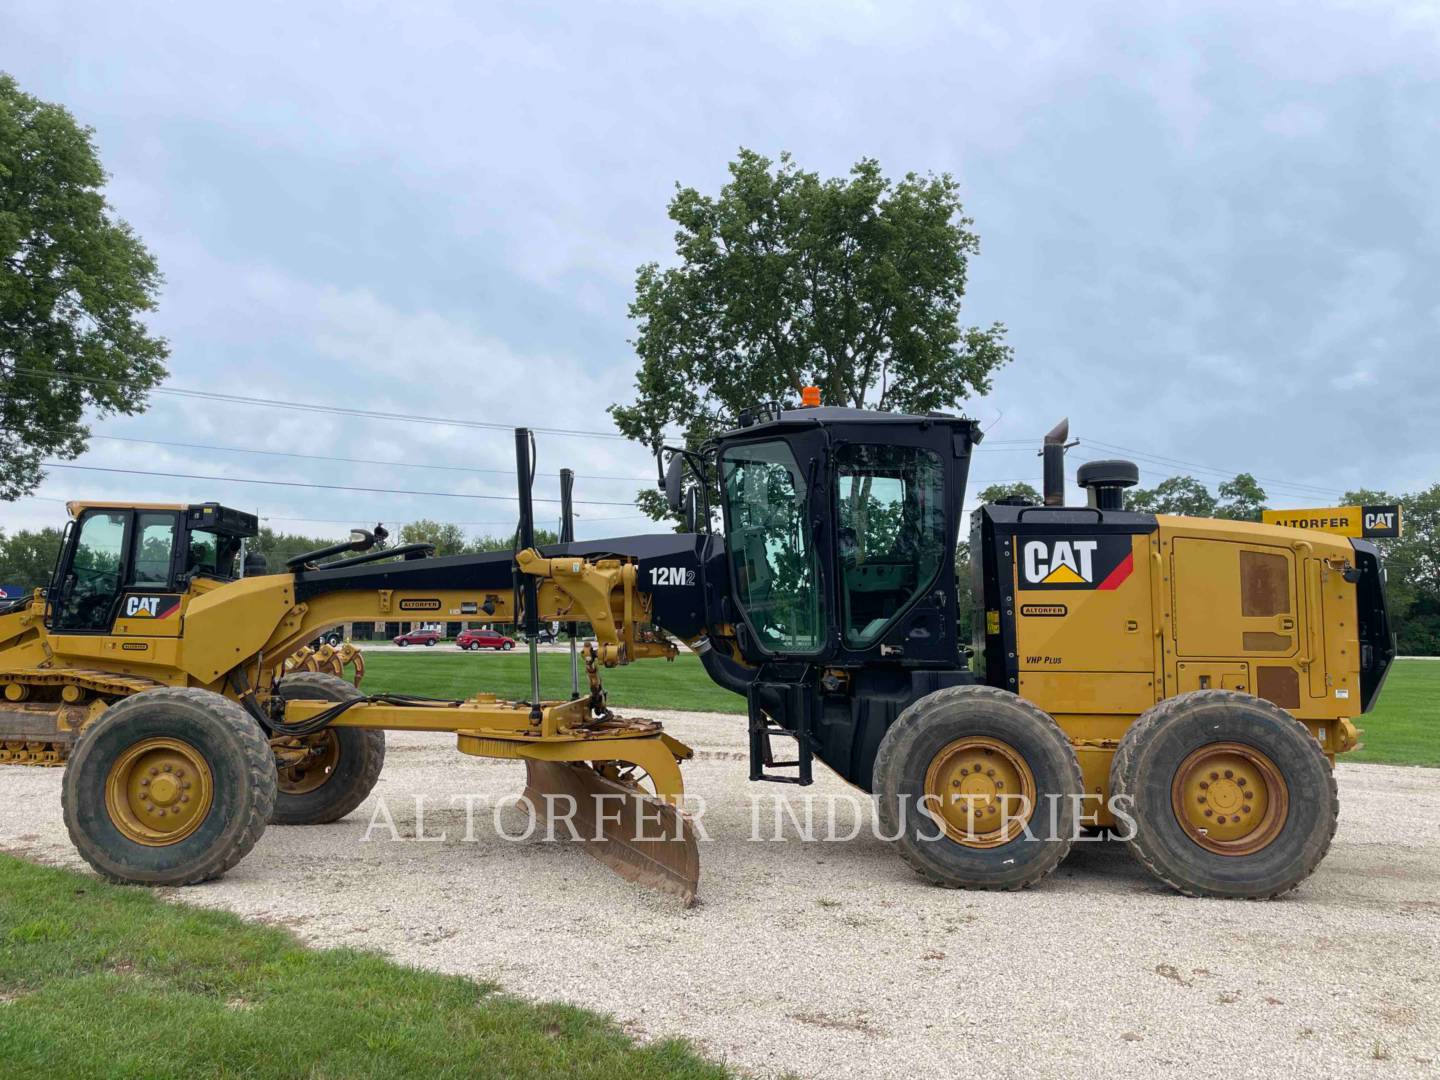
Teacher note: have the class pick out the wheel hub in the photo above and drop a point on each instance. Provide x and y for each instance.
(159, 791)
(304, 764)
(981, 789)
(1230, 798)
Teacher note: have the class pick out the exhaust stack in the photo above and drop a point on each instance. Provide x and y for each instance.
(1053, 463)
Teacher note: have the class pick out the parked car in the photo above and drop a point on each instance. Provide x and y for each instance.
(418, 637)
(484, 639)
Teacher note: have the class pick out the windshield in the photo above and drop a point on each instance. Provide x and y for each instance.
(769, 544)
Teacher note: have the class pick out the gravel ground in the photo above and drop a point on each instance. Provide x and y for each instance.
(834, 959)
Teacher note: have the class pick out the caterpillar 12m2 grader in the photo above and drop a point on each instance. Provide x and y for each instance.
(1189, 681)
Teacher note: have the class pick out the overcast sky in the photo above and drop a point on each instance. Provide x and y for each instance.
(1213, 229)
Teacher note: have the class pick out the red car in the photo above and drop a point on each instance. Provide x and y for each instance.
(483, 639)
(418, 637)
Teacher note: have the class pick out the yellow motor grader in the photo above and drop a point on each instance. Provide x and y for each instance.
(1189, 681)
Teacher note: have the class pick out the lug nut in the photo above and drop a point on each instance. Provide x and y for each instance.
(1209, 812)
(1229, 775)
(1204, 784)
(989, 772)
(955, 783)
(1220, 820)
(154, 771)
(1249, 794)
(1241, 781)
(150, 808)
(165, 768)
(1201, 799)
(184, 798)
(1000, 785)
(1214, 776)
(145, 782)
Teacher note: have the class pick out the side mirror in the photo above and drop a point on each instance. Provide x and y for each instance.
(673, 476)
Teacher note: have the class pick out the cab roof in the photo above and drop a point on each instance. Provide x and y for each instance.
(762, 417)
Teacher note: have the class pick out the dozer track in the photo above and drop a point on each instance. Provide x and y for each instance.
(42, 710)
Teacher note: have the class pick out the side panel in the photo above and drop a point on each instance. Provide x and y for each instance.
(1265, 611)
(1102, 622)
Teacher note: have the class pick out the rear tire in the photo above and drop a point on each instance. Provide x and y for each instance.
(174, 751)
(430, 642)
(1234, 752)
(356, 756)
(965, 741)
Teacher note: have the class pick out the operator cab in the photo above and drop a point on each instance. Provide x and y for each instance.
(118, 556)
(840, 529)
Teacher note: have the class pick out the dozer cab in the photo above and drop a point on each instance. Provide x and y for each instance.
(1184, 682)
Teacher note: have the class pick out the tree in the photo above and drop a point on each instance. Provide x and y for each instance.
(28, 557)
(1177, 495)
(1018, 490)
(786, 280)
(448, 538)
(1243, 499)
(74, 281)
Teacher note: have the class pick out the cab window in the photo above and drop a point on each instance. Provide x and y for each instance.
(154, 548)
(212, 555)
(93, 580)
(891, 533)
(771, 552)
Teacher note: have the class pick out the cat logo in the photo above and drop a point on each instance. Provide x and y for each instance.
(1102, 562)
(151, 607)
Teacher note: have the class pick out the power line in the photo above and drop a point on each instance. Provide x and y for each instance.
(460, 524)
(336, 410)
(318, 487)
(1179, 463)
(347, 460)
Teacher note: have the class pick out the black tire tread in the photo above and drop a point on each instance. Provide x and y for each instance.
(259, 763)
(1122, 781)
(930, 703)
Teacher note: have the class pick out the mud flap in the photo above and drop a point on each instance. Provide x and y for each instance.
(643, 839)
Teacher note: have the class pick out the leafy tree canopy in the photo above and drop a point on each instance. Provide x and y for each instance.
(1177, 495)
(28, 557)
(74, 282)
(786, 280)
(1018, 490)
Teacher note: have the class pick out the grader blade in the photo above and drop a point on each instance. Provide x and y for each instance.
(643, 839)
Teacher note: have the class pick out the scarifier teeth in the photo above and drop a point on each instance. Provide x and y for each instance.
(643, 839)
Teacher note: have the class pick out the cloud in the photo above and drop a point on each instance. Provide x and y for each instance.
(1210, 228)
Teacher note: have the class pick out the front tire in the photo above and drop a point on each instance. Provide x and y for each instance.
(168, 787)
(429, 643)
(1232, 796)
(402, 644)
(507, 646)
(344, 768)
(999, 785)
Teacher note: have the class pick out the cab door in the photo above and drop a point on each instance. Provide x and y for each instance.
(89, 586)
(149, 601)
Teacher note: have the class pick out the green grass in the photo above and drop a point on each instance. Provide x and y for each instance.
(97, 980)
(646, 684)
(1404, 729)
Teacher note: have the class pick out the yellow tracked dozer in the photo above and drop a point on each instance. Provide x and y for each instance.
(1185, 681)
